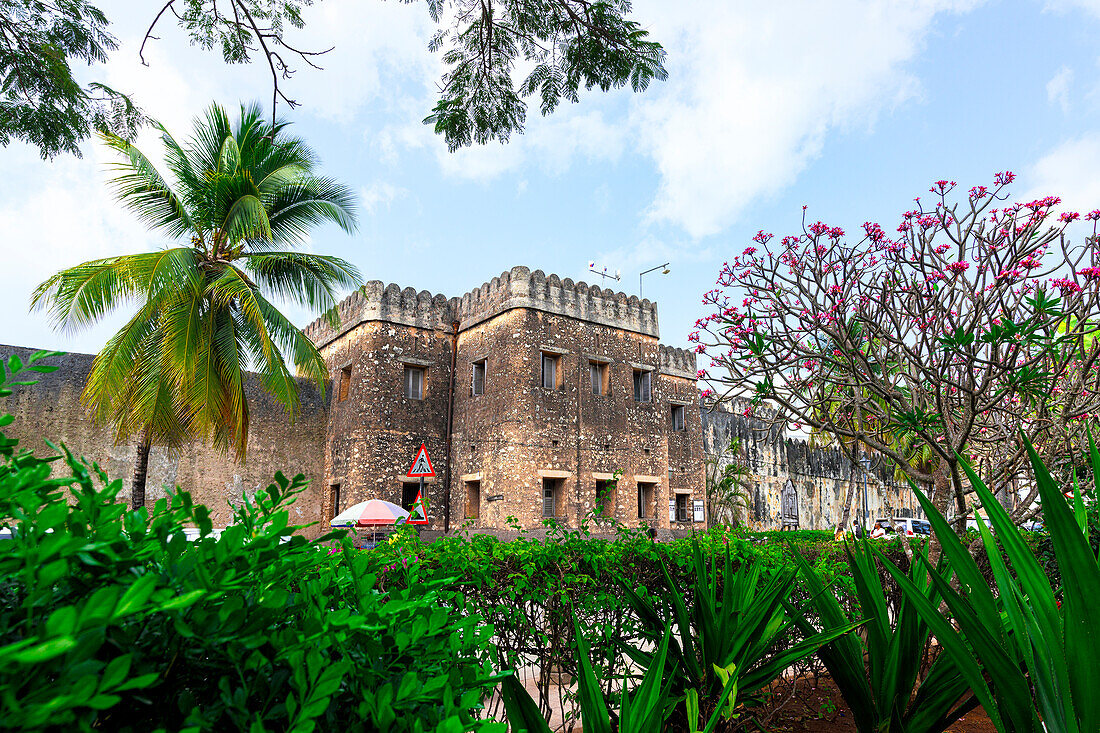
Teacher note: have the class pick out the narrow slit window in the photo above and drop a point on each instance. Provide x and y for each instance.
(473, 499)
(477, 378)
(334, 501)
(678, 418)
(549, 498)
(682, 514)
(345, 384)
(551, 371)
(408, 495)
(414, 382)
(645, 499)
(599, 373)
(605, 497)
(642, 386)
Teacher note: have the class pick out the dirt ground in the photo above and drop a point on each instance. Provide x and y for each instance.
(822, 710)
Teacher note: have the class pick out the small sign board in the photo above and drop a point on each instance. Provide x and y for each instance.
(495, 497)
(419, 512)
(422, 466)
(697, 511)
(672, 510)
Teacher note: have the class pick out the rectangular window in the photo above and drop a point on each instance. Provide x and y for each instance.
(333, 502)
(551, 371)
(682, 510)
(549, 497)
(599, 373)
(642, 382)
(408, 495)
(645, 499)
(345, 384)
(477, 378)
(414, 382)
(605, 497)
(473, 499)
(678, 418)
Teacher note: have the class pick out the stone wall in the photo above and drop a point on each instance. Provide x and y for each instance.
(51, 410)
(818, 478)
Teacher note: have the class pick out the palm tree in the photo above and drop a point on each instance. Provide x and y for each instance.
(242, 198)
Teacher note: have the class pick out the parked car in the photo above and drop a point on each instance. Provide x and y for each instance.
(909, 526)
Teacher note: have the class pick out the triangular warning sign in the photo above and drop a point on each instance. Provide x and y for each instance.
(422, 466)
(419, 512)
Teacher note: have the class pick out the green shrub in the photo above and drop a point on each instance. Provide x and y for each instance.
(110, 619)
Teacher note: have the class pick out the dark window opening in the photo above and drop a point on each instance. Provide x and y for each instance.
(333, 502)
(599, 373)
(473, 499)
(678, 418)
(645, 499)
(414, 382)
(477, 378)
(408, 495)
(642, 384)
(551, 491)
(682, 508)
(345, 384)
(551, 371)
(605, 497)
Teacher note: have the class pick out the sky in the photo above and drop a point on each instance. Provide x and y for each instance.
(851, 108)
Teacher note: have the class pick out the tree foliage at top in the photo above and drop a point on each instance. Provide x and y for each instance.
(572, 44)
(41, 103)
(567, 45)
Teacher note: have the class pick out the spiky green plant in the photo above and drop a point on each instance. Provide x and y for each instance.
(878, 670)
(1030, 660)
(242, 197)
(730, 627)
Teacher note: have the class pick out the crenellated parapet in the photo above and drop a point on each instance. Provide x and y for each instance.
(516, 288)
(377, 301)
(522, 288)
(677, 362)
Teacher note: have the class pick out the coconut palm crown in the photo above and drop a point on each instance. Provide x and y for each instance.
(242, 198)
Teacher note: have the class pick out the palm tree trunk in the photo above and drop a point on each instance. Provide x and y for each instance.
(141, 471)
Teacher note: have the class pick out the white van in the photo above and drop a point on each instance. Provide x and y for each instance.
(907, 525)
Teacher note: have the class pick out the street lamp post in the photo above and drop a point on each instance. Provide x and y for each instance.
(665, 271)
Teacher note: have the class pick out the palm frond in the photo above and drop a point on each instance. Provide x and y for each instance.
(299, 207)
(303, 278)
(143, 190)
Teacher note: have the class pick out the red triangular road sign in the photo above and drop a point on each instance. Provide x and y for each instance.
(419, 512)
(422, 466)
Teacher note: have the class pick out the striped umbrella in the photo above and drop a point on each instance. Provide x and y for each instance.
(372, 513)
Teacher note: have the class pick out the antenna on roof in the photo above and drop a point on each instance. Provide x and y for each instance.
(603, 272)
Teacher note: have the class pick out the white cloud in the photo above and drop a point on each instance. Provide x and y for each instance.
(1058, 88)
(754, 90)
(379, 195)
(1069, 171)
(1092, 7)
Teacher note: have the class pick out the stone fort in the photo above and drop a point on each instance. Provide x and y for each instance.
(536, 396)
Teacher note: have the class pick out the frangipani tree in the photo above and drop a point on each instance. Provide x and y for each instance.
(971, 327)
(242, 198)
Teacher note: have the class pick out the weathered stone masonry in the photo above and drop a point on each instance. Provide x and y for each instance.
(51, 410)
(815, 480)
(501, 449)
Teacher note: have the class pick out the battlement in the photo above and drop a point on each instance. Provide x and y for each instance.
(377, 301)
(677, 362)
(515, 288)
(522, 288)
